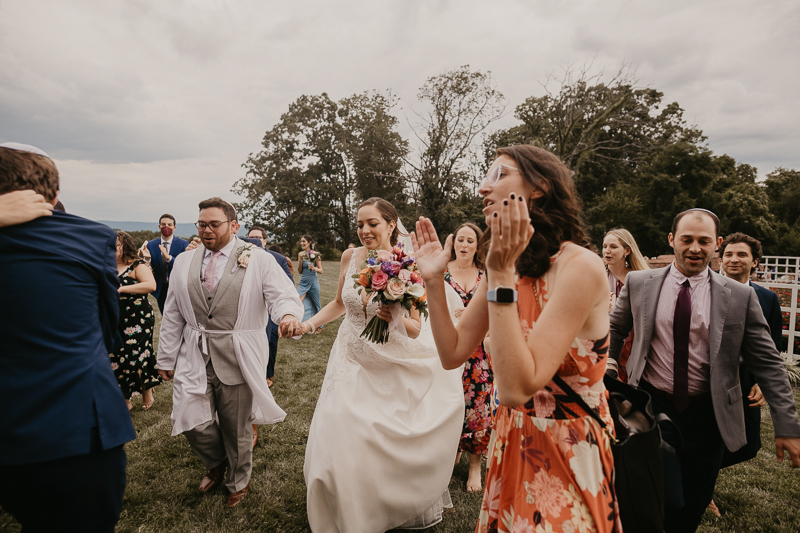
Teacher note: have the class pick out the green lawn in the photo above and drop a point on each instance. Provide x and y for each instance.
(163, 473)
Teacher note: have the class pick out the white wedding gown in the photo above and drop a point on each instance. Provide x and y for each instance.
(385, 431)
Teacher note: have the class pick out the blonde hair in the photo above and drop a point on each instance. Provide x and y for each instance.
(635, 259)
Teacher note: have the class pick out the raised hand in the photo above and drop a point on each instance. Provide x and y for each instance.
(431, 257)
(511, 231)
(145, 252)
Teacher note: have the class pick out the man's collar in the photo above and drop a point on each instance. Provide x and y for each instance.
(680, 277)
(169, 240)
(227, 249)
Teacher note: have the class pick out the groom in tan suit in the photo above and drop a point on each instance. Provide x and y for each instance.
(223, 278)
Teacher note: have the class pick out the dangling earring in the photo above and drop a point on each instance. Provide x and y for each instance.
(627, 263)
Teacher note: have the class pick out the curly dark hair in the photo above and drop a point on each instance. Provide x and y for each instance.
(480, 252)
(556, 215)
(128, 252)
(753, 243)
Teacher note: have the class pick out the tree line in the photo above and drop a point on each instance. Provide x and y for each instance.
(635, 161)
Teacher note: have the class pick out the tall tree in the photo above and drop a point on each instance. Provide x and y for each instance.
(319, 161)
(601, 129)
(782, 187)
(461, 105)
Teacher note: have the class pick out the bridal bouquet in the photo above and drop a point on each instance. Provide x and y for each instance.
(394, 278)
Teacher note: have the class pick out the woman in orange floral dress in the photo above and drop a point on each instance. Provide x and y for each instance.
(544, 303)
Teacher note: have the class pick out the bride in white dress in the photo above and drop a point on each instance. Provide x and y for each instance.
(383, 438)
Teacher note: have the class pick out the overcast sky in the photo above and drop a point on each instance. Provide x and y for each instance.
(150, 106)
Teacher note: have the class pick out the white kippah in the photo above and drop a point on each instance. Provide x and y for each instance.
(23, 148)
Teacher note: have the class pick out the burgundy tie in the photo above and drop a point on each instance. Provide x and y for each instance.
(680, 335)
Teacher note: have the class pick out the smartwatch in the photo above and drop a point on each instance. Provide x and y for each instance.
(502, 295)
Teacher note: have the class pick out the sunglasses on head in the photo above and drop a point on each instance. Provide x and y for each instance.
(495, 173)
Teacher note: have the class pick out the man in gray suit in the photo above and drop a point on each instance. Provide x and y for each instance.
(213, 342)
(691, 325)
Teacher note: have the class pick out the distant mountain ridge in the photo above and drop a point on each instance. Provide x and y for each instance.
(182, 230)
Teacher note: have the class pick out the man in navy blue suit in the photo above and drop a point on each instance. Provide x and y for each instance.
(740, 255)
(163, 251)
(63, 418)
(257, 233)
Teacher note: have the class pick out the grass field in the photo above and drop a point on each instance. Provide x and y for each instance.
(163, 473)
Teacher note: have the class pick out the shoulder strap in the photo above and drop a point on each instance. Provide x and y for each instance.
(576, 398)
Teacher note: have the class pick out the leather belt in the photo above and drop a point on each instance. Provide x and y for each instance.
(693, 398)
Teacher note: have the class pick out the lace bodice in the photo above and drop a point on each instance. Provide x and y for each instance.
(356, 313)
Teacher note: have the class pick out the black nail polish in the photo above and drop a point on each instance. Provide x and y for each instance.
(520, 198)
(505, 202)
(495, 215)
(512, 195)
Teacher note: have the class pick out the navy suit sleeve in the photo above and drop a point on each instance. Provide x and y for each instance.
(109, 296)
(178, 247)
(775, 321)
(282, 262)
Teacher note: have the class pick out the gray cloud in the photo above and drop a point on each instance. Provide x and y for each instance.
(150, 106)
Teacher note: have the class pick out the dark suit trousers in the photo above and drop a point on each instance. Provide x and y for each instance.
(689, 479)
(82, 493)
(272, 337)
(162, 297)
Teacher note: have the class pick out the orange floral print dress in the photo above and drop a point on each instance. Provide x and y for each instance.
(550, 465)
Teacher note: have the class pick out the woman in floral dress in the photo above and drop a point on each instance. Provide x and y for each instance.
(134, 363)
(544, 302)
(464, 273)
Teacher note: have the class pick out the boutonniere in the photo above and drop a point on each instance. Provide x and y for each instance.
(243, 255)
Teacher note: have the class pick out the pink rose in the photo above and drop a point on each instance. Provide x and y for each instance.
(416, 278)
(405, 276)
(384, 255)
(395, 289)
(379, 280)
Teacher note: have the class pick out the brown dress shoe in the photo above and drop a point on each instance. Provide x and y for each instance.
(255, 435)
(213, 477)
(235, 497)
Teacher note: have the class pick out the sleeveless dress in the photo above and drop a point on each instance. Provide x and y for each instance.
(478, 381)
(551, 467)
(136, 324)
(309, 285)
(385, 430)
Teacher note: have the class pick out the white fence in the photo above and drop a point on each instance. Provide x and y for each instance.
(782, 276)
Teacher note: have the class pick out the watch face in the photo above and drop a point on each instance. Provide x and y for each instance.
(504, 295)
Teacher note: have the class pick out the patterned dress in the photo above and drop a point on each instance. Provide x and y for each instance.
(551, 469)
(136, 324)
(478, 386)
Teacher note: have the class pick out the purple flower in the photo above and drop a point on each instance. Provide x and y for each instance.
(392, 267)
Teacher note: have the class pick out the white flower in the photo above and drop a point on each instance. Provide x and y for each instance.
(416, 290)
(587, 467)
(243, 257)
(394, 289)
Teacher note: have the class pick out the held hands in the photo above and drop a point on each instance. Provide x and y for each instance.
(431, 257)
(792, 445)
(290, 326)
(166, 375)
(511, 231)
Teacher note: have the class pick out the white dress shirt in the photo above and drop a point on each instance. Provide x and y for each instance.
(659, 369)
(222, 261)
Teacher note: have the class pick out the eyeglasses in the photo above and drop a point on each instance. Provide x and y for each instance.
(495, 173)
(214, 224)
